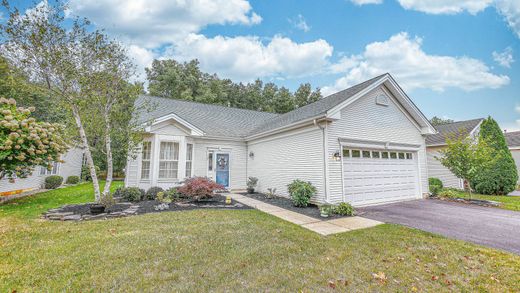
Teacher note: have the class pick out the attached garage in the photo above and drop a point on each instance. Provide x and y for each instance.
(377, 176)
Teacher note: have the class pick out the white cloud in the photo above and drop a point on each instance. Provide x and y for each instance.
(505, 58)
(446, 6)
(517, 109)
(363, 2)
(404, 58)
(246, 58)
(163, 21)
(300, 23)
(510, 9)
(142, 58)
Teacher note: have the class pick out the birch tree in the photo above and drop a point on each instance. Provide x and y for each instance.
(76, 64)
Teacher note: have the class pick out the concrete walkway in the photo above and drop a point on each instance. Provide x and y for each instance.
(321, 227)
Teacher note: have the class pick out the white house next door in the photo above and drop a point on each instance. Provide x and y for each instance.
(375, 176)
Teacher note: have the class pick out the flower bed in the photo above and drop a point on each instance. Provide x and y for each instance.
(81, 212)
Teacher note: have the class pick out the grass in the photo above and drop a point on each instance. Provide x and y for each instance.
(508, 202)
(241, 250)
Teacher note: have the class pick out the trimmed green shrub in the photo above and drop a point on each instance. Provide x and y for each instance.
(151, 194)
(130, 193)
(172, 193)
(301, 192)
(344, 209)
(449, 193)
(53, 182)
(500, 176)
(435, 185)
(72, 180)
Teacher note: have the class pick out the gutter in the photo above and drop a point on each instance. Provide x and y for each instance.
(325, 177)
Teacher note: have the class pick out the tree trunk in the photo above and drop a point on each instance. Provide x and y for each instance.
(88, 154)
(108, 146)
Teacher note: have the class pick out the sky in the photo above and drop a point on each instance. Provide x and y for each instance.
(456, 59)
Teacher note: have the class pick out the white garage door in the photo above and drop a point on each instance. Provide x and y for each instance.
(373, 176)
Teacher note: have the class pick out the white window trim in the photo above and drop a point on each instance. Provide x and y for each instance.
(191, 160)
(150, 159)
(160, 179)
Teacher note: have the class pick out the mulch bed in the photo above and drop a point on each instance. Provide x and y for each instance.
(311, 210)
(80, 212)
(480, 202)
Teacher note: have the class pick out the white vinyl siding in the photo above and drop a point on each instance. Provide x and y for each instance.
(437, 170)
(516, 157)
(365, 120)
(189, 159)
(53, 171)
(146, 160)
(279, 159)
(168, 160)
(237, 158)
(71, 166)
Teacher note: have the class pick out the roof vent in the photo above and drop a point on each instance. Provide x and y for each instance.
(382, 100)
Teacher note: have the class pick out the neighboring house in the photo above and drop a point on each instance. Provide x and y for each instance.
(513, 142)
(437, 142)
(363, 145)
(73, 161)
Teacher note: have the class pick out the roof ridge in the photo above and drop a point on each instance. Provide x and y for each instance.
(207, 104)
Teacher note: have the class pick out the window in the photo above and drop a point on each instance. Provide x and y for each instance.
(384, 155)
(168, 160)
(356, 154)
(346, 153)
(375, 155)
(145, 159)
(53, 171)
(210, 161)
(366, 154)
(401, 156)
(393, 155)
(409, 156)
(189, 158)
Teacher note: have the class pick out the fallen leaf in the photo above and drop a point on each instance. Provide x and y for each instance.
(381, 277)
(435, 278)
(332, 284)
(495, 279)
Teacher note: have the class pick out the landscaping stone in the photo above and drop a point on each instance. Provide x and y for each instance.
(81, 212)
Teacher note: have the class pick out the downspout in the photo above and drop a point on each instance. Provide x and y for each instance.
(323, 128)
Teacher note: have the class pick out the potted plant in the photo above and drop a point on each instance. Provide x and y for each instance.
(251, 184)
(325, 210)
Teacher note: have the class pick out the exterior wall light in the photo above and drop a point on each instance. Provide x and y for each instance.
(251, 155)
(336, 156)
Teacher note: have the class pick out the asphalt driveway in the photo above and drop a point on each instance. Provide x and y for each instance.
(482, 225)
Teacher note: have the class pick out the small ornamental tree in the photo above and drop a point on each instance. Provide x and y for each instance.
(26, 143)
(500, 175)
(464, 157)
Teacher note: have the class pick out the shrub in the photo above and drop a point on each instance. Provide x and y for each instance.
(435, 185)
(53, 182)
(251, 184)
(301, 192)
(107, 200)
(199, 188)
(171, 193)
(130, 193)
(499, 176)
(163, 197)
(152, 193)
(72, 180)
(344, 209)
(271, 193)
(449, 193)
(85, 172)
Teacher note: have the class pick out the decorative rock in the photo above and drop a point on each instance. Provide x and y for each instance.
(72, 218)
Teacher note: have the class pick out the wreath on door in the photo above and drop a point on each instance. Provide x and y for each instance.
(222, 162)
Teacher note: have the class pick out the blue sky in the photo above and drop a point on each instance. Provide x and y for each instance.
(455, 60)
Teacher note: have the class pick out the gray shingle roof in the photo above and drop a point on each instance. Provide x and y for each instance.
(213, 120)
(451, 130)
(223, 121)
(513, 138)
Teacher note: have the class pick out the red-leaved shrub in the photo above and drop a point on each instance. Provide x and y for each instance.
(199, 188)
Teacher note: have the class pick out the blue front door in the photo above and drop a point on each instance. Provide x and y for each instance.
(222, 168)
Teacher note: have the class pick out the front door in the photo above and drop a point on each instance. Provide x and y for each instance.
(222, 169)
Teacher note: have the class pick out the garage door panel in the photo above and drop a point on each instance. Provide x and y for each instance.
(377, 180)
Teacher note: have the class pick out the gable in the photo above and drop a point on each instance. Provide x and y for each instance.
(370, 118)
(169, 127)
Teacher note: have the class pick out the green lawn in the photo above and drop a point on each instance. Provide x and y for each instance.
(508, 202)
(242, 250)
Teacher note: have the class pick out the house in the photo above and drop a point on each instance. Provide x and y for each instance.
(71, 166)
(364, 145)
(436, 142)
(513, 142)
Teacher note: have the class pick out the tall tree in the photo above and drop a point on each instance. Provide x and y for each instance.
(305, 95)
(78, 66)
(501, 176)
(436, 121)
